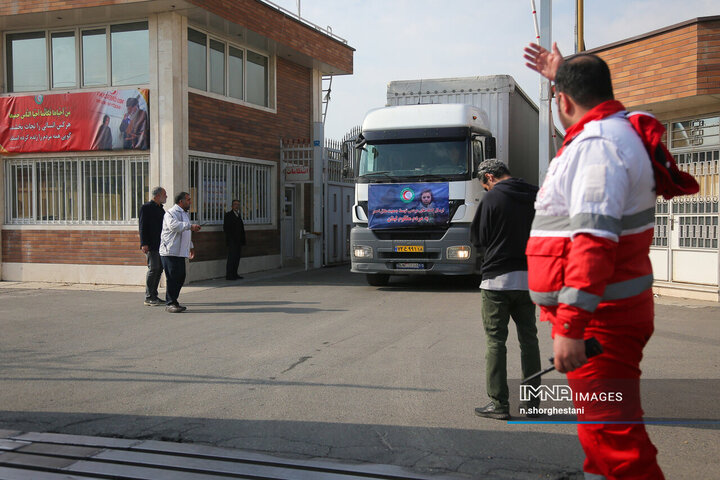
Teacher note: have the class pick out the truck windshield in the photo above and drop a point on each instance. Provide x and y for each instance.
(414, 161)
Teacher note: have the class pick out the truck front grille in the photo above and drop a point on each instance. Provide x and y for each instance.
(409, 234)
(409, 255)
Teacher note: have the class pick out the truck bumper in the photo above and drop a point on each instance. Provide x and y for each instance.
(431, 261)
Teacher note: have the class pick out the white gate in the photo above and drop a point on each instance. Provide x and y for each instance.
(339, 195)
(685, 252)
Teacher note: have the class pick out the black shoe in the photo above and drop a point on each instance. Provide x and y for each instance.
(489, 411)
(174, 309)
(154, 302)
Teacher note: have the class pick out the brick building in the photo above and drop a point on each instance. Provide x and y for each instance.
(674, 73)
(219, 84)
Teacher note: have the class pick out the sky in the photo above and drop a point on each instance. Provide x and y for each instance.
(414, 39)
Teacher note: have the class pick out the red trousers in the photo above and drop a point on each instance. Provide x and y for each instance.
(609, 385)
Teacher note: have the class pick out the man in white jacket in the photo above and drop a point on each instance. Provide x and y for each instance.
(175, 247)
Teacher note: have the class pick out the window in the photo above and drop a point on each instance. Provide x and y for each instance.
(695, 133)
(115, 55)
(215, 183)
(63, 47)
(218, 67)
(129, 46)
(27, 62)
(94, 54)
(257, 79)
(76, 190)
(197, 55)
(235, 70)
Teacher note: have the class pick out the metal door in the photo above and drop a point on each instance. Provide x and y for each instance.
(288, 222)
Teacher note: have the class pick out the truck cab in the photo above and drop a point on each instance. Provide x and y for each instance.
(416, 191)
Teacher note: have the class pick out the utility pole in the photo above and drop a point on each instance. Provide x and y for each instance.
(545, 128)
(579, 26)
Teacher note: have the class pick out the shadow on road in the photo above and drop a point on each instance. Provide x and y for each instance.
(477, 453)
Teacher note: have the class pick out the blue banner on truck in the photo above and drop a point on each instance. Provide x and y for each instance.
(408, 205)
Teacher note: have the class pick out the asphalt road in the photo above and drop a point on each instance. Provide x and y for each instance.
(318, 364)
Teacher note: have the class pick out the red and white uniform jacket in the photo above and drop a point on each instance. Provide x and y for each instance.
(590, 240)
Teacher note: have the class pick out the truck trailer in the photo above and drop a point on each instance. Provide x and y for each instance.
(416, 190)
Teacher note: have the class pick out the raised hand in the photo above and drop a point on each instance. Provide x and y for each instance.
(544, 62)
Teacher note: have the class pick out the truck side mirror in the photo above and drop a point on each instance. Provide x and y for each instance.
(345, 153)
(490, 147)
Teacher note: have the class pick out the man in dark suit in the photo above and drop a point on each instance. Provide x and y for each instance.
(234, 229)
(150, 222)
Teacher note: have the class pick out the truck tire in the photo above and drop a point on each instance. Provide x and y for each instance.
(378, 279)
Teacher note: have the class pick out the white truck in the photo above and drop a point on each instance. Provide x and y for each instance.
(416, 190)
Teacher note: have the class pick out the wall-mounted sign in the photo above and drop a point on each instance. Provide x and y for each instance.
(297, 173)
(75, 122)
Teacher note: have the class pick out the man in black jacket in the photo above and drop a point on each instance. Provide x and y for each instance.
(151, 220)
(234, 229)
(505, 217)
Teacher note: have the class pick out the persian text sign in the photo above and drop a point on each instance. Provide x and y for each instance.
(408, 204)
(297, 173)
(75, 122)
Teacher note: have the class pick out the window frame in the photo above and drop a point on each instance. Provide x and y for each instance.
(226, 167)
(6, 56)
(133, 195)
(78, 60)
(79, 74)
(271, 70)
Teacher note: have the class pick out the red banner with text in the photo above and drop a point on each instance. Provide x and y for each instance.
(75, 122)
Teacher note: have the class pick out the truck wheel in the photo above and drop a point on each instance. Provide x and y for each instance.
(378, 279)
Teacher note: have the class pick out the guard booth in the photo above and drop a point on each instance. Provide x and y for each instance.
(298, 203)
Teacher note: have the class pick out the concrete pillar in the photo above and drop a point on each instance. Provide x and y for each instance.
(318, 137)
(169, 118)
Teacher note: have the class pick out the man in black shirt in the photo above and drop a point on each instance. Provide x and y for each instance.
(234, 229)
(505, 217)
(151, 220)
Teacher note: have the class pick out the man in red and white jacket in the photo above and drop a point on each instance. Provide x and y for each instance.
(588, 264)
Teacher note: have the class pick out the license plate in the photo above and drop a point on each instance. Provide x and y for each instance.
(410, 266)
(409, 248)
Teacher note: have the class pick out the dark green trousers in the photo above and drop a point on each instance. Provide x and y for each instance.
(497, 308)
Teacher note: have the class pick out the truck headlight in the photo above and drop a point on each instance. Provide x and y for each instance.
(459, 252)
(361, 251)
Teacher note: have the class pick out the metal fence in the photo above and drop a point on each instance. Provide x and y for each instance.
(214, 183)
(75, 190)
